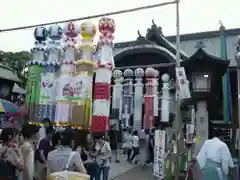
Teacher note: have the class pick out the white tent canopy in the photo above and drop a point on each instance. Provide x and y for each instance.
(17, 89)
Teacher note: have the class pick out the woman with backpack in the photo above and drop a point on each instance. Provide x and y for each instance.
(63, 157)
(11, 160)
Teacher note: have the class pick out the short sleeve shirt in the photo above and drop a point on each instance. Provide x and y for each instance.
(46, 146)
(135, 140)
(58, 159)
(105, 149)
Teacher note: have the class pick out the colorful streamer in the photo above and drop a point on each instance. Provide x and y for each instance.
(227, 104)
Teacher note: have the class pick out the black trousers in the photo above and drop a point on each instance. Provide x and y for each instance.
(135, 153)
(129, 152)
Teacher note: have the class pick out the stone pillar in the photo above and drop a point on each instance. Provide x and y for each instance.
(201, 124)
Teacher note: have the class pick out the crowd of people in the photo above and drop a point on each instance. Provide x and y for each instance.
(24, 155)
(33, 153)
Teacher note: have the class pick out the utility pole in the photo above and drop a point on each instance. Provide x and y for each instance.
(237, 58)
(178, 103)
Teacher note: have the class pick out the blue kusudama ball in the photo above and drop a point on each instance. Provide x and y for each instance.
(55, 32)
(40, 34)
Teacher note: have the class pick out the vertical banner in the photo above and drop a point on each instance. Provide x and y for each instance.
(82, 86)
(159, 153)
(74, 88)
(47, 88)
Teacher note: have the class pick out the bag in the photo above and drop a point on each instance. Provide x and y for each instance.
(68, 175)
(102, 162)
(7, 170)
(96, 152)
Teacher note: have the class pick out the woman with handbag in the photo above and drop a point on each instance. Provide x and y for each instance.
(102, 156)
(11, 160)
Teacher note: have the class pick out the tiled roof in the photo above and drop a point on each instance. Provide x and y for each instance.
(192, 36)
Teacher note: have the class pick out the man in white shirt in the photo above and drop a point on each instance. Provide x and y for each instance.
(135, 145)
(215, 159)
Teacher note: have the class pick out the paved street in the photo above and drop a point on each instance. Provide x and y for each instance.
(119, 168)
(137, 173)
(125, 171)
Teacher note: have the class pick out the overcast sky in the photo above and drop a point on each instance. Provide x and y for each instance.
(195, 16)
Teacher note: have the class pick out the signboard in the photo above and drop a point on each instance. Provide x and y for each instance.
(189, 133)
(47, 88)
(159, 153)
(74, 88)
(182, 83)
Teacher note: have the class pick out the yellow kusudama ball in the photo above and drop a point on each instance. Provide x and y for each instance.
(88, 30)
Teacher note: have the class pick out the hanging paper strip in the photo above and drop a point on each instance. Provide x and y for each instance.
(138, 95)
(116, 93)
(155, 97)
(35, 70)
(127, 102)
(47, 96)
(100, 120)
(227, 104)
(149, 104)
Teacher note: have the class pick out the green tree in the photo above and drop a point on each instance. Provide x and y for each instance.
(15, 60)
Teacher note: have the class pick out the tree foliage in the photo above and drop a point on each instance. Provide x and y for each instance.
(15, 60)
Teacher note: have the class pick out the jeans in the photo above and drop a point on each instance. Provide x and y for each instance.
(93, 170)
(104, 171)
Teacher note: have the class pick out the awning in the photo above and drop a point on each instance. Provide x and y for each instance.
(8, 74)
(17, 89)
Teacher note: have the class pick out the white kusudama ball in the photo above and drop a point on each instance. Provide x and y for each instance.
(128, 73)
(117, 74)
(139, 73)
(165, 78)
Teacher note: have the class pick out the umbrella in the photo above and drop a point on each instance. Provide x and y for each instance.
(11, 109)
(8, 107)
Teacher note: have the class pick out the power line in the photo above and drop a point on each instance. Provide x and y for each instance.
(93, 16)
